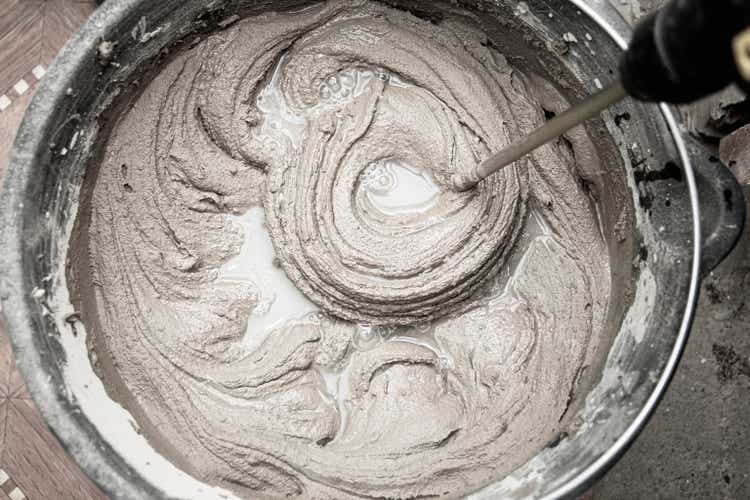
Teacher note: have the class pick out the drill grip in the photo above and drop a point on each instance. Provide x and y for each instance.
(683, 52)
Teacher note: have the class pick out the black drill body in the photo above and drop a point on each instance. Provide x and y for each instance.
(683, 52)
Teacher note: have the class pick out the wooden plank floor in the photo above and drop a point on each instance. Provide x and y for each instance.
(33, 465)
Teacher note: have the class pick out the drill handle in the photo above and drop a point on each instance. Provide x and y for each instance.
(685, 51)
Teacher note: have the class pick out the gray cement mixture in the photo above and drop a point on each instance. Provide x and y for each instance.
(288, 296)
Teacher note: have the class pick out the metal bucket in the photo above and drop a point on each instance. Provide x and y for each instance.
(667, 190)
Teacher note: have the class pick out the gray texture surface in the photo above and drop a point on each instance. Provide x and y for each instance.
(696, 445)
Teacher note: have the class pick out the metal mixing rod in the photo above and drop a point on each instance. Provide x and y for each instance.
(679, 54)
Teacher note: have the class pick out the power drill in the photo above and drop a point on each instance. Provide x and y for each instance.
(688, 50)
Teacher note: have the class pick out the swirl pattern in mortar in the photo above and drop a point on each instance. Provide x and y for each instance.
(510, 284)
(394, 269)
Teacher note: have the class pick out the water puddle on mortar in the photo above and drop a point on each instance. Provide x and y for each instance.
(337, 387)
(280, 301)
(395, 188)
(280, 124)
